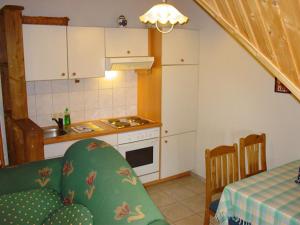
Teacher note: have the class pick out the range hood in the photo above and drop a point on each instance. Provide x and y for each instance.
(129, 63)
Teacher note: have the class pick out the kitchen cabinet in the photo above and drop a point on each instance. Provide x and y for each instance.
(179, 99)
(86, 52)
(58, 149)
(181, 47)
(177, 154)
(126, 42)
(45, 52)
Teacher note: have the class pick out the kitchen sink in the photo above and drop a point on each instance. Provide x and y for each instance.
(53, 132)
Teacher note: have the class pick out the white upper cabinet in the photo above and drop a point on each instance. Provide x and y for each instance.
(45, 52)
(180, 47)
(126, 42)
(179, 99)
(86, 52)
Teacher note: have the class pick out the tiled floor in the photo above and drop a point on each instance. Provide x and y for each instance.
(182, 201)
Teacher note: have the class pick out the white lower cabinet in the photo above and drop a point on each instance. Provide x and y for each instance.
(177, 154)
(58, 149)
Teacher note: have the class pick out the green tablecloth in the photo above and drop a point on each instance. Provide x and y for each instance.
(269, 198)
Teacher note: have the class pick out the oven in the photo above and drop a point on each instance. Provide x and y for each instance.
(141, 150)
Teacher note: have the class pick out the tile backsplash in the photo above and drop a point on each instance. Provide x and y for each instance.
(88, 99)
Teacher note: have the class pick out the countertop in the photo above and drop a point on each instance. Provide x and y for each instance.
(100, 129)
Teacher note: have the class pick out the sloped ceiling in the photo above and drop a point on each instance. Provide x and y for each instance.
(268, 29)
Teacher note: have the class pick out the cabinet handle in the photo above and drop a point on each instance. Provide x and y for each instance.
(166, 141)
(63, 74)
(166, 131)
(73, 74)
(182, 60)
(128, 52)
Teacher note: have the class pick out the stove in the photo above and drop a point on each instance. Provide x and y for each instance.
(125, 122)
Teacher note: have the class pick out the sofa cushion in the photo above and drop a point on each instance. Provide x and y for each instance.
(97, 176)
(41, 174)
(71, 214)
(28, 207)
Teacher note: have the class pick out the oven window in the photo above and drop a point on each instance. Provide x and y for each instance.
(140, 157)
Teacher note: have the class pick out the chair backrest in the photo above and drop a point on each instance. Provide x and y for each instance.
(252, 155)
(221, 168)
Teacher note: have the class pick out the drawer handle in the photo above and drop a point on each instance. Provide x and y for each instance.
(182, 60)
(128, 52)
(166, 141)
(166, 131)
(74, 74)
(63, 74)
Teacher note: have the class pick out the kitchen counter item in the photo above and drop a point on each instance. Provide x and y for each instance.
(99, 129)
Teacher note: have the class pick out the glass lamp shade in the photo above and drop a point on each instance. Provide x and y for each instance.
(163, 13)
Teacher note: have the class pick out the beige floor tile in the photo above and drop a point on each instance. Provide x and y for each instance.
(161, 198)
(191, 220)
(179, 192)
(195, 203)
(176, 212)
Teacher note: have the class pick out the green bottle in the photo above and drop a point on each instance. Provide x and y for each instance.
(67, 117)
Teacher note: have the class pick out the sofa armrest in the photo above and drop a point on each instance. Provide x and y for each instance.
(45, 173)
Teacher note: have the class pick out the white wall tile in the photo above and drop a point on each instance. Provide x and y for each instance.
(75, 86)
(120, 80)
(44, 104)
(119, 97)
(131, 110)
(131, 79)
(43, 87)
(105, 98)
(131, 96)
(106, 113)
(60, 86)
(119, 111)
(45, 120)
(30, 87)
(91, 84)
(92, 114)
(31, 105)
(77, 116)
(105, 83)
(76, 101)
(91, 99)
(60, 102)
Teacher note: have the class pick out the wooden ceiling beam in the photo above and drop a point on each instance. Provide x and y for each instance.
(43, 20)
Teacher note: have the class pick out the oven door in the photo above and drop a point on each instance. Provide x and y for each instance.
(143, 156)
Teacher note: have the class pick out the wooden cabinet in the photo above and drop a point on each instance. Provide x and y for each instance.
(180, 47)
(126, 42)
(177, 154)
(86, 52)
(179, 99)
(45, 52)
(58, 149)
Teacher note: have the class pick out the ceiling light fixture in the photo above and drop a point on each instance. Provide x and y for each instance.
(164, 14)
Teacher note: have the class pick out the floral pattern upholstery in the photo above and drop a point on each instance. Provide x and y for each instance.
(92, 174)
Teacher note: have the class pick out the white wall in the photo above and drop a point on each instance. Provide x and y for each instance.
(100, 12)
(237, 98)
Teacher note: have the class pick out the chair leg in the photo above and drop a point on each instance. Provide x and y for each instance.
(206, 217)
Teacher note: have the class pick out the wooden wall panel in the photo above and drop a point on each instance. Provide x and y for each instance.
(268, 29)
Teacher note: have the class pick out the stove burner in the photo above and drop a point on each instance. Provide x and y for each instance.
(127, 122)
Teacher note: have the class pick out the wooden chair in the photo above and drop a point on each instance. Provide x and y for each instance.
(252, 153)
(221, 169)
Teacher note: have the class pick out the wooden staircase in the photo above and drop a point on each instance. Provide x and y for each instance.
(268, 29)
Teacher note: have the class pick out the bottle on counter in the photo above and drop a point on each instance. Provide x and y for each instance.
(67, 118)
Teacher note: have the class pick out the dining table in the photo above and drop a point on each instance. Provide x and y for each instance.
(268, 198)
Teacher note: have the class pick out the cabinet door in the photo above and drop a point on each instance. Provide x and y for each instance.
(179, 99)
(45, 52)
(125, 42)
(58, 149)
(180, 47)
(86, 52)
(177, 154)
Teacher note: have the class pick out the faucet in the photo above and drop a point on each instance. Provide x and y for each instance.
(60, 123)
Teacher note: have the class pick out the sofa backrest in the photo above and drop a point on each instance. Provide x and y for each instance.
(41, 174)
(97, 176)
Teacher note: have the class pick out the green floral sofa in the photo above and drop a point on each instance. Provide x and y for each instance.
(91, 184)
